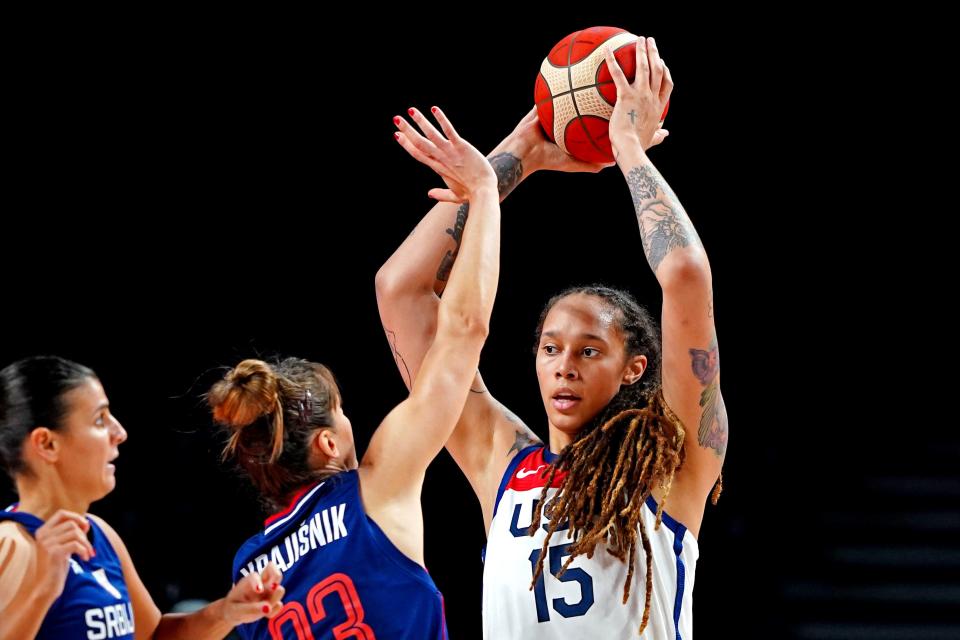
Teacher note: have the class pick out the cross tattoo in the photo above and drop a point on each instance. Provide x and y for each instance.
(633, 116)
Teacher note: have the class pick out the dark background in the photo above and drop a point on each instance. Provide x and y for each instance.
(187, 191)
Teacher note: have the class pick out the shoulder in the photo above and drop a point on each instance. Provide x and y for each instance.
(13, 539)
(115, 541)
(17, 552)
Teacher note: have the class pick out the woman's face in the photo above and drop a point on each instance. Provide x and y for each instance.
(90, 436)
(581, 361)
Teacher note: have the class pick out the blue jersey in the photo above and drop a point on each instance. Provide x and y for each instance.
(343, 577)
(94, 604)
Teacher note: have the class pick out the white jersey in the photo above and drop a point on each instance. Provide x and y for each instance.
(587, 601)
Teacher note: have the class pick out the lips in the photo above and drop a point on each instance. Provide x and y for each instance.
(564, 400)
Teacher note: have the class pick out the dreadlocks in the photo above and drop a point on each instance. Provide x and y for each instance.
(630, 448)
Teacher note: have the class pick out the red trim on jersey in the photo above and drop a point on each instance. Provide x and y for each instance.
(532, 473)
(293, 503)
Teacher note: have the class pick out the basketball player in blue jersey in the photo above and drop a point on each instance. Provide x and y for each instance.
(613, 504)
(348, 537)
(65, 573)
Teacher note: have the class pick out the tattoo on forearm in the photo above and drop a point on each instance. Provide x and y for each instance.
(446, 264)
(509, 170)
(664, 225)
(401, 363)
(713, 429)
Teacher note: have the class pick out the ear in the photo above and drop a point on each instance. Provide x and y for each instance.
(44, 444)
(325, 443)
(634, 369)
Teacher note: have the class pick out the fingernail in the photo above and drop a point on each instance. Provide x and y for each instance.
(653, 42)
(410, 111)
(266, 609)
(396, 120)
(274, 586)
(258, 588)
(396, 136)
(434, 109)
(93, 553)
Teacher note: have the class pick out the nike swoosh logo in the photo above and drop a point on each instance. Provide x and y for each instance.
(523, 473)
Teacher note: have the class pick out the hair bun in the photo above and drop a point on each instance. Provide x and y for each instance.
(247, 392)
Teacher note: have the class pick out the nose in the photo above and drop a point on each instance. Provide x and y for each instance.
(565, 368)
(119, 433)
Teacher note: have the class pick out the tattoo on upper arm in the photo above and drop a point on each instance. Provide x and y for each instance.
(509, 170)
(523, 437)
(401, 363)
(521, 440)
(713, 429)
(664, 225)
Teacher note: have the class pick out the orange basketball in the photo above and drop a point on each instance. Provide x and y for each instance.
(575, 93)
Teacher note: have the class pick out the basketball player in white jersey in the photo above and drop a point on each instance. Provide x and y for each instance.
(636, 439)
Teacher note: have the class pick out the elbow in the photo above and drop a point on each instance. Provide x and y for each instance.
(468, 325)
(391, 284)
(385, 282)
(687, 270)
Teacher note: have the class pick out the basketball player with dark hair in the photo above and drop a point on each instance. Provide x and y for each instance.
(64, 572)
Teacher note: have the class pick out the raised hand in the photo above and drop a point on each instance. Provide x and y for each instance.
(464, 169)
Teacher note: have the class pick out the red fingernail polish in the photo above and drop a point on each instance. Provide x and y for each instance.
(266, 609)
(396, 136)
(434, 109)
(410, 111)
(396, 120)
(274, 586)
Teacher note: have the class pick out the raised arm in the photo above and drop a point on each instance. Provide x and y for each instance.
(691, 372)
(408, 288)
(415, 431)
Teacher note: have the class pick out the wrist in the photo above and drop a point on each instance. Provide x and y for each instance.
(43, 595)
(522, 149)
(627, 149)
(217, 610)
(485, 190)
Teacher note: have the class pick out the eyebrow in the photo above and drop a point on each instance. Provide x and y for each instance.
(101, 407)
(582, 336)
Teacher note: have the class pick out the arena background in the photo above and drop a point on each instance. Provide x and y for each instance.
(186, 191)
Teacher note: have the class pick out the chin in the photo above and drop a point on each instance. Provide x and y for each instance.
(108, 488)
(567, 423)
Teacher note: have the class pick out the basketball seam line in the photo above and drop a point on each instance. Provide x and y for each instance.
(573, 98)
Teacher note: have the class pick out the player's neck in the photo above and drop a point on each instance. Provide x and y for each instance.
(43, 499)
(559, 439)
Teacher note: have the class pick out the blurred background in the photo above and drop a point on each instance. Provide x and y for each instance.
(185, 191)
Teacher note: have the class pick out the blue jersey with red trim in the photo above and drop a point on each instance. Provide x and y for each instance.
(94, 604)
(343, 577)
